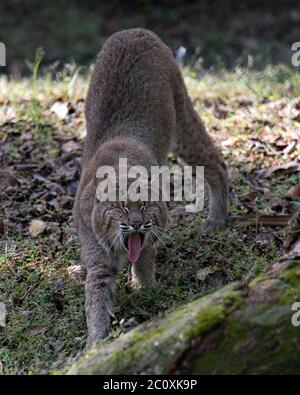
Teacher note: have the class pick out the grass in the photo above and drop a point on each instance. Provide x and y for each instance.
(248, 114)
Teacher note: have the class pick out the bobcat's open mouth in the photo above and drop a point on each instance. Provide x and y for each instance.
(134, 243)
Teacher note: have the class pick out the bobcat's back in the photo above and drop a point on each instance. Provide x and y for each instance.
(132, 91)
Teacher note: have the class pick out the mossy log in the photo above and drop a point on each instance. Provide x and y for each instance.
(240, 329)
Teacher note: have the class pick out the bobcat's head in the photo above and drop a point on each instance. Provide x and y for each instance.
(129, 225)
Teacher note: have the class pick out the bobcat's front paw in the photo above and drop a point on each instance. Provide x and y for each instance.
(145, 283)
(98, 323)
(210, 225)
(102, 333)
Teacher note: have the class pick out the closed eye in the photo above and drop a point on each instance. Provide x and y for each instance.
(114, 213)
(152, 208)
(124, 227)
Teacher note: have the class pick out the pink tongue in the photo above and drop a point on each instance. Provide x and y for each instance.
(134, 247)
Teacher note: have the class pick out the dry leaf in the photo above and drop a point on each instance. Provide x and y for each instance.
(291, 147)
(6, 114)
(244, 101)
(8, 178)
(38, 330)
(221, 111)
(230, 142)
(191, 208)
(294, 192)
(70, 146)
(291, 167)
(267, 220)
(36, 227)
(60, 109)
(76, 271)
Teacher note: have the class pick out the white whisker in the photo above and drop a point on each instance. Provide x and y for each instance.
(159, 238)
(162, 234)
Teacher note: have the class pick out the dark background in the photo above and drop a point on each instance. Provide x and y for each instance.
(216, 33)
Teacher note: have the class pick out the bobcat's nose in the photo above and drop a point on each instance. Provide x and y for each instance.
(136, 224)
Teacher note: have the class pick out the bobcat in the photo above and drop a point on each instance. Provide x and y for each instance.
(136, 106)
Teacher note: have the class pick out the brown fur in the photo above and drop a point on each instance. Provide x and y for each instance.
(137, 106)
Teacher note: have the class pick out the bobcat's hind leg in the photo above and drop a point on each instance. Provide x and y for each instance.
(197, 148)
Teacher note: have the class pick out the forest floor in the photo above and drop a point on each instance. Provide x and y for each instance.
(254, 118)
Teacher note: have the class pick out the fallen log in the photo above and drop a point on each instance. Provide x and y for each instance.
(240, 329)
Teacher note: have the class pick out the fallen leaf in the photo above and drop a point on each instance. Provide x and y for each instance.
(36, 227)
(38, 330)
(60, 109)
(230, 142)
(290, 148)
(294, 192)
(268, 220)
(244, 101)
(221, 111)
(70, 146)
(191, 208)
(6, 114)
(8, 178)
(76, 271)
(291, 167)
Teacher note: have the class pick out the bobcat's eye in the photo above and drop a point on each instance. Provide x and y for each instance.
(152, 208)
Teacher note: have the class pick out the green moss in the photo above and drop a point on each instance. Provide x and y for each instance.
(291, 277)
(233, 299)
(147, 335)
(177, 314)
(235, 338)
(207, 319)
(273, 349)
(138, 343)
(256, 281)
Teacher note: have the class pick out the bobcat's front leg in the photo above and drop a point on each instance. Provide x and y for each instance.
(99, 287)
(142, 272)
